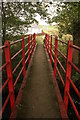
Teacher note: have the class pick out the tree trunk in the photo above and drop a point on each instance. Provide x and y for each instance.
(3, 24)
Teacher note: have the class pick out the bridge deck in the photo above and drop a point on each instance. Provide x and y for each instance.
(39, 98)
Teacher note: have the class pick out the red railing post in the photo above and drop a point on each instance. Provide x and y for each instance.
(48, 45)
(45, 40)
(28, 48)
(31, 45)
(34, 40)
(23, 56)
(9, 74)
(55, 60)
(51, 50)
(68, 73)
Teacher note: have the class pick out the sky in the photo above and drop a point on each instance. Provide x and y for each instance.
(41, 21)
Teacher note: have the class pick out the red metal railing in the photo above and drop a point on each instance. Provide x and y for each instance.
(8, 64)
(67, 72)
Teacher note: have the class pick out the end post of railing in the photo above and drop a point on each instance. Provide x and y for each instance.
(9, 74)
(47, 43)
(23, 56)
(51, 51)
(56, 52)
(31, 45)
(34, 40)
(68, 73)
(28, 48)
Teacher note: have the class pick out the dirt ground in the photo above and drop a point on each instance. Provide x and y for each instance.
(39, 98)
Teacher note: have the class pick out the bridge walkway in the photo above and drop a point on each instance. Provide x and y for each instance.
(39, 98)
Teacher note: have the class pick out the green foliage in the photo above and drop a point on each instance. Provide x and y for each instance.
(19, 15)
(67, 17)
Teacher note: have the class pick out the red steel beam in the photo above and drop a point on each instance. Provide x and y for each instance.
(75, 88)
(75, 67)
(76, 47)
(4, 85)
(51, 50)
(16, 54)
(60, 76)
(18, 76)
(74, 107)
(5, 103)
(2, 67)
(68, 73)
(23, 56)
(9, 74)
(56, 52)
(29, 48)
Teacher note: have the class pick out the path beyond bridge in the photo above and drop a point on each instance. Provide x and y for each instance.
(39, 98)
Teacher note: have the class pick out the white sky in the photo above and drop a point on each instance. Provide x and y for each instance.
(41, 21)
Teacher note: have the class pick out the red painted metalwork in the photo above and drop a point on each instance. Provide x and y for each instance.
(4, 105)
(29, 48)
(9, 74)
(51, 50)
(74, 107)
(60, 100)
(56, 52)
(75, 88)
(68, 80)
(46, 41)
(62, 41)
(18, 76)
(61, 54)
(76, 47)
(31, 45)
(66, 84)
(34, 40)
(68, 73)
(4, 85)
(17, 66)
(16, 54)
(48, 45)
(18, 99)
(2, 47)
(75, 67)
(60, 76)
(59, 63)
(2, 67)
(17, 41)
(8, 66)
(23, 56)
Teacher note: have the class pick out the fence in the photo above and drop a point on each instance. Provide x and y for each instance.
(31, 43)
(68, 59)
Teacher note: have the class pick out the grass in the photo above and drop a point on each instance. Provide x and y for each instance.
(50, 29)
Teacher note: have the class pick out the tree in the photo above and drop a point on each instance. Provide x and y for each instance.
(12, 12)
(68, 20)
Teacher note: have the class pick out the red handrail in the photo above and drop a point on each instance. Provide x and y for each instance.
(67, 72)
(8, 64)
